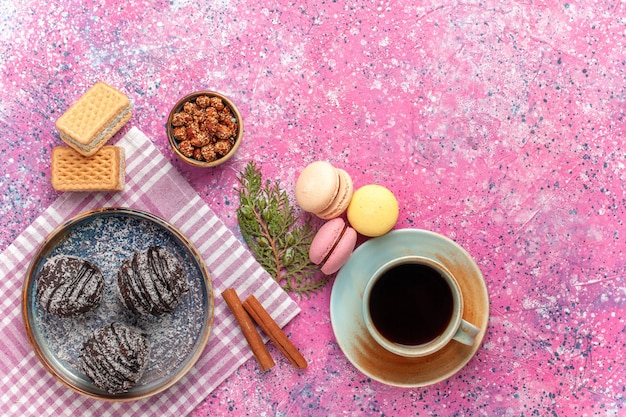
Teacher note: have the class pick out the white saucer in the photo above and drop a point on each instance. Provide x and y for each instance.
(347, 317)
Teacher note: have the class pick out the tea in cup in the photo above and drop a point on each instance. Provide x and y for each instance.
(413, 306)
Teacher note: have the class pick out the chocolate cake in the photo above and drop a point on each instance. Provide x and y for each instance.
(69, 286)
(152, 282)
(115, 357)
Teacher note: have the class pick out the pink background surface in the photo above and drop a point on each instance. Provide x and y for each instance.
(499, 125)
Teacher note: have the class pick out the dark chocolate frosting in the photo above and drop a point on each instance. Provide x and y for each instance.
(115, 357)
(152, 282)
(68, 286)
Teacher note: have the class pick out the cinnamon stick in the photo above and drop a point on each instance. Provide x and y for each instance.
(256, 310)
(259, 349)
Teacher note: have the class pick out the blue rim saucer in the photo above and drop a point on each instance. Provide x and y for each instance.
(347, 318)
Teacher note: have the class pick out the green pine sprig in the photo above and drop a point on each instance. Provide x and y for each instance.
(271, 228)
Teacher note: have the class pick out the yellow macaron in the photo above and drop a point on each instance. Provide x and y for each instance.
(373, 210)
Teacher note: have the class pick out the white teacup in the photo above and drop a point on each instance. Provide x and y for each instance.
(413, 306)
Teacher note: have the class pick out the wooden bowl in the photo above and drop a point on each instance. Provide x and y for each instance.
(175, 144)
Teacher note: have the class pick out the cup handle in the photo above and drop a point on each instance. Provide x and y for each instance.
(466, 334)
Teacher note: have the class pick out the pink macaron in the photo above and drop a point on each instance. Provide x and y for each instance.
(332, 245)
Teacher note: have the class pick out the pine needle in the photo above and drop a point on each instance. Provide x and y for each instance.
(271, 228)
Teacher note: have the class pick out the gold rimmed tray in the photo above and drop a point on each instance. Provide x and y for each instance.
(107, 237)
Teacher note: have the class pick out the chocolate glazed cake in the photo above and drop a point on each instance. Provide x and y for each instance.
(68, 286)
(115, 357)
(152, 282)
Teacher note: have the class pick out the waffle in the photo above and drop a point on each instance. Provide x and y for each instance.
(104, 171)
(94, 118)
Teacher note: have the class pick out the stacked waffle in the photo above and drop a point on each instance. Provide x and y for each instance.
(86, 164)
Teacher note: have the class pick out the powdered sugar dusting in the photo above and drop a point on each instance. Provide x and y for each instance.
(69, 286)
(115, 356)
(107, 240)
(152, 282)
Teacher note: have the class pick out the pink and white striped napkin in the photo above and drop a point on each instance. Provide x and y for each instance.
(153, 185)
